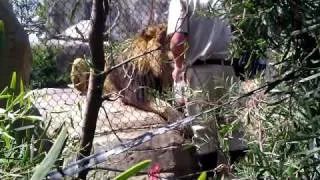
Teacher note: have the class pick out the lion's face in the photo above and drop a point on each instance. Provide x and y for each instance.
(157, 61)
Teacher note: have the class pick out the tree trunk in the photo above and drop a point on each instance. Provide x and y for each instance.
(96, 80)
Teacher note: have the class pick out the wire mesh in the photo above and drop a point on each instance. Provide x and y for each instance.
(58, 32)
(61, 29)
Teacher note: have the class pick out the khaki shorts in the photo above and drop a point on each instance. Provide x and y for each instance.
(209, 84)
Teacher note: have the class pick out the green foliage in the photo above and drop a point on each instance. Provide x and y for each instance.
(290, 126)
(287, 32)
(133, 170)
(20, 139)
(15, 115)
(42, 12)
(23, 139)
(44, 71)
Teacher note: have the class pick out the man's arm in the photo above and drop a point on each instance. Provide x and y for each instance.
(177, 46)
(177, 28)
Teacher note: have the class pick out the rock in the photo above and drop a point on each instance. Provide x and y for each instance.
(167, 150)
(67, 51)
(71, 44)
(71, 32)
(116, 122)
(126, 17)
(78, 31)
(64, 13)
(132, 16)
(16, 55)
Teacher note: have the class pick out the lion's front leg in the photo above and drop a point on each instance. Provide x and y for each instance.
(165, 110)
(157, 106)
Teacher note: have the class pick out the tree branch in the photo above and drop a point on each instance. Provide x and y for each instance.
(94, 101)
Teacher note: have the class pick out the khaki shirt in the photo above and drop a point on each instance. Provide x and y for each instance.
(208, 36)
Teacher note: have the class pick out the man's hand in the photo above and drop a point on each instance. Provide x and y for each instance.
(178, 73)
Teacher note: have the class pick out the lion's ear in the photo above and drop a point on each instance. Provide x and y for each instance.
(143, 34)
(148, 33)
(162, 36)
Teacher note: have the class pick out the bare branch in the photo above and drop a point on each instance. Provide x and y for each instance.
(80, 33)
(113, 24)
(112, 130)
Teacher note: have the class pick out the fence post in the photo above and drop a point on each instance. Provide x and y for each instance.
(94, 100)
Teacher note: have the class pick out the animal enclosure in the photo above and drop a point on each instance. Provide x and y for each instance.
(137, 95)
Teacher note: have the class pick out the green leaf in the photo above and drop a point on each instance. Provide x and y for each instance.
(24, 128)
(203, 176)
(7, 139)
(310, 77)
(133, 170)
(310, 152)
(46, 165)
(22, 92)
(14, 101)
(5, 96)
(37, 118)
(13, 83)
(2, 35)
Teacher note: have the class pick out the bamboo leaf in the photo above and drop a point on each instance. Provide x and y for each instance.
(24, 128)
(2, 35)
(4, 91)
(310, 77)
(48, 162)
(310, 152)
(13, 81)
(7, 138)
(133, 170)
(22, 92)
(203, 176)
(37, 118)
(6, 96)
(14, 101)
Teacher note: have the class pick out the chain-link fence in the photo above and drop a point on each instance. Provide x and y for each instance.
(59, 33)
(137, 95)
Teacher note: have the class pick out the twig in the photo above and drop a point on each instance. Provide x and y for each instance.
(80, 33)
(66, 38)
(112, 130)
(107, 97)
(113, 24)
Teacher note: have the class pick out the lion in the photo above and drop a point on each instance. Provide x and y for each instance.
(134, 81)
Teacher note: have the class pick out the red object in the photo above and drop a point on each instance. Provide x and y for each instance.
(154, 172)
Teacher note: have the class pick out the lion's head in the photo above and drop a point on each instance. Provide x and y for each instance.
(150, 71)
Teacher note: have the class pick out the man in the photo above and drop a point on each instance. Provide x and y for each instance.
(199, 44)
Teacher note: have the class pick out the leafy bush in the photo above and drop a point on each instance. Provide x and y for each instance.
(21, 143)
(289, 30)
(23, 138)
(44, 72)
